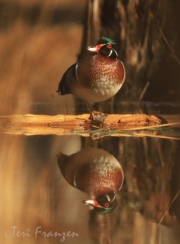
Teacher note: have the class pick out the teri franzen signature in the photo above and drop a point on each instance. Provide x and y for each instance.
(38, 232)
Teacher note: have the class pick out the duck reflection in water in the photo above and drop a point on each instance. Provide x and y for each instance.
(96, 172)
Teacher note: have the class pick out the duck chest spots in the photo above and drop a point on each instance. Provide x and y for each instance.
(107, 75)
(105, 175)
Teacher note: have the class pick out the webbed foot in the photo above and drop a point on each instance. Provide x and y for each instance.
(98, 116)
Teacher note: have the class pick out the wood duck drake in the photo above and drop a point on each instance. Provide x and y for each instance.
(95, 78)
(95, 172)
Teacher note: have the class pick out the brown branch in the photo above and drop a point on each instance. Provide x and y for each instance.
(165, 39)
(115, 125)
(142, 95)
(167, 210)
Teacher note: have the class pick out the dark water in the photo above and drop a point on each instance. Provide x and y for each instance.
(36, 197)
(37, 203)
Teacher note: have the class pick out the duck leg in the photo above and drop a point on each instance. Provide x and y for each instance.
(96, 116)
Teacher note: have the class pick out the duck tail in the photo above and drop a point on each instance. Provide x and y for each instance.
(63, 87)
(61, 161)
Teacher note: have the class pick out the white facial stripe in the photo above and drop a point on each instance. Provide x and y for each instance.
(113, 198)
(74, 180)
(116, 52)
(108, 198)
(110, 53)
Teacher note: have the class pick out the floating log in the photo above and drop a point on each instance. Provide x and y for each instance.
(114, 125)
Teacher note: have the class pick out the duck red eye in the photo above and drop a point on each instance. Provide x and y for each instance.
(109, 46)
(106, 205)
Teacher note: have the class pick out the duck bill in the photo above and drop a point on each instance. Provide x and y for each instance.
(94, 49)
(93, 203)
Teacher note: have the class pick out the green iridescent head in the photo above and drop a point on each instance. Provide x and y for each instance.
(103, 204)
(106, 47)
(106, 40)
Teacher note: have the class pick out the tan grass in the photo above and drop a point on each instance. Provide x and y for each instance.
(32, 63)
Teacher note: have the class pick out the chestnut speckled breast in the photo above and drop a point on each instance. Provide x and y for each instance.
(98, 78)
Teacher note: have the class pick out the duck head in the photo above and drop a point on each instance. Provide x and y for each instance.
(103, 204)
(106, 47)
